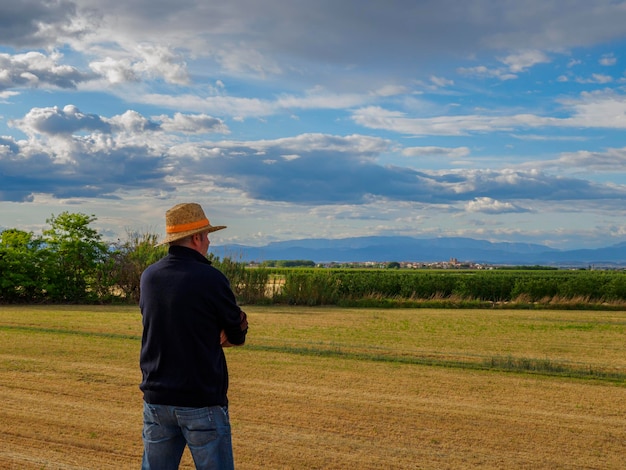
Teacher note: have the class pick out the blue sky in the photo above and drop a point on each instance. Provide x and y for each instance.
(491, 119)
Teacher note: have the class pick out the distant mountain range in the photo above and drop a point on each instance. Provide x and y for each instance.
(387, 249)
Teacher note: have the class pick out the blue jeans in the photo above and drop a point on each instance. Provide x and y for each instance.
(167, 429)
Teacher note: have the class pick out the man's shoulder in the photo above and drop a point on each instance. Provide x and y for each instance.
(184, 262)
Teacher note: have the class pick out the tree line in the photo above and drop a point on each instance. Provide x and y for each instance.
(70, 263)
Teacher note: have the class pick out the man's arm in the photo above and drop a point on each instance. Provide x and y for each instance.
(244, 328)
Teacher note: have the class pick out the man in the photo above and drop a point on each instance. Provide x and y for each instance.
(189, 314)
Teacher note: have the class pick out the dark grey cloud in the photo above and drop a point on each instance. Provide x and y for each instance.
(394, 39)
(386, 40)
(315, 177)
(397, 31)
(349, 176)
(530, 185)
(36, 23)
(97, 156)
(428, 28)
(400, 28)
(84, 172)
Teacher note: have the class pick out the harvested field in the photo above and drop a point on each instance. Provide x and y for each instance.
(333, 389)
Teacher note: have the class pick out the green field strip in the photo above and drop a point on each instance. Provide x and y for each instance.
(60, 331)
(543, 367)
(509, 363)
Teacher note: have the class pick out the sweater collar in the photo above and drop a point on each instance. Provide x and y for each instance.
(185, 252)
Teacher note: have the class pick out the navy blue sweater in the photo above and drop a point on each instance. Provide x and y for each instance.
(185, 303)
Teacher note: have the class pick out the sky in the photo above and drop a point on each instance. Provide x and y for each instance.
(497, 120)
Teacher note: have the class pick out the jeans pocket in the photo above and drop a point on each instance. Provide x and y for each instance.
(198, 426)
(152, 429)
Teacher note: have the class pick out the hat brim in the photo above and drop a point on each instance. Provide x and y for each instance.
(172, 237)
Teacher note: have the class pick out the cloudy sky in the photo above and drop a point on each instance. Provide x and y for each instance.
(499, 120)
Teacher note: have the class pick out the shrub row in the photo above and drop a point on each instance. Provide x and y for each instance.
(331, 287)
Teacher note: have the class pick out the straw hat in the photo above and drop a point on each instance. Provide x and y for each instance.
(186, 219)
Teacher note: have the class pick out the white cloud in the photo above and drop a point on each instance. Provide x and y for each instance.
(521, 61)
(441, 82)
(488, 205)
(237, 107)
(236, 59)
(57, 121)
(378, 118)
(609, 160)
(608, 60)
(596, 78)
(6, 95)
(319, 99)
(547, 138)
(34, 69)
(241, 108)
(132, 122)
(162, 62)
(573, 63)
(516, 63)
(115, 71)
(193, 124)
(142, 62)
(481, 71)
(390, 90)
(458, 152)
(600, 109)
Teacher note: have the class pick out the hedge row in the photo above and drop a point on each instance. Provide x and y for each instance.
(331, 287)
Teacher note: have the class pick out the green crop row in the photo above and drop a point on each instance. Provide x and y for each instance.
(332, 287)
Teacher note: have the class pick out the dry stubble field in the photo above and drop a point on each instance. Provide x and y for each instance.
(321, 388)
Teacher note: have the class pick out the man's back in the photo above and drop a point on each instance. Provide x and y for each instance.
(185, 304)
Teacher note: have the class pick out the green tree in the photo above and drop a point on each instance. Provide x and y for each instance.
(74, 252)
(20, 266)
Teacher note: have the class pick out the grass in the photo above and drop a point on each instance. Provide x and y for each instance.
(327, 388)
(570, 341)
